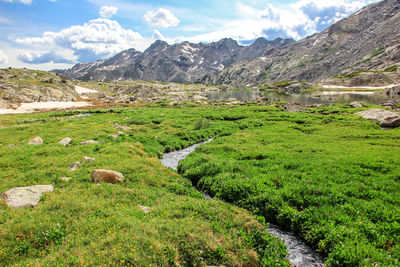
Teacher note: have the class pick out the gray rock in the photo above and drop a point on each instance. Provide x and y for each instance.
(107, 176)
(384, 117)
(356, 105)
(74, 166)
(391, 104)
(65, 179)
(29, 196)
(88, 159)
(122, 127)
(89, 142)
(66, 141)
(36, 141)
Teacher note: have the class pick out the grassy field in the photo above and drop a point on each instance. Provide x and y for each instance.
(327, 175)
(85, 224)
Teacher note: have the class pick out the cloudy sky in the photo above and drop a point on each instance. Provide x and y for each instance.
(49, 34)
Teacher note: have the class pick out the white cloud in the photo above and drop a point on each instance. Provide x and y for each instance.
(3, 57)
(107, 12)
(162, 18)
(40, 58)
(26, 2)
(297, 20)
(99, 38)
(157, 35)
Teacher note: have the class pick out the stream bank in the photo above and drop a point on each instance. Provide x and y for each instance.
(299, 254)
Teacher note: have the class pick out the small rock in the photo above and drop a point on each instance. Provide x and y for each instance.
(384, 117)
(122, 127)
(29, 196)
(11, 146)
(88, 159)
(89, 142)
(356, 105)
(390, 104)
(107, 176)
(65, 179)
(66, 141)
(36, 141)
(74, 166)
(145, 209)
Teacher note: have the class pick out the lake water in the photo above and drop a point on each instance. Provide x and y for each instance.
(307, 98)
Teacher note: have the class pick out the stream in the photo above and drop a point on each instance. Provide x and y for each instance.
(300, 255)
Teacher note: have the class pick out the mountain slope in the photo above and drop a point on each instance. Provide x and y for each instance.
(185, 62)
(368, 39)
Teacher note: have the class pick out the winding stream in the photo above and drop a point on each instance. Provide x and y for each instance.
(300, 255)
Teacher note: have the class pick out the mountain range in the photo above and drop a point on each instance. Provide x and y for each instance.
(366, 40)
(185, 62)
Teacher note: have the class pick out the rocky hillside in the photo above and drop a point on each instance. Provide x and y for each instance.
(26, 86)
(185, 62)
(367, 40)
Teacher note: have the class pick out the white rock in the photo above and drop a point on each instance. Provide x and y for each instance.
(29, 196)
(88, 159)
(384, 117)
(36, 141)
(66, 141)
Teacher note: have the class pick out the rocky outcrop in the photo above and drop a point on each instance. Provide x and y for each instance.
(185, 62)
(384, 117)
(367, 40)
(395, 90)
(107, 176)
(27, 86)
(29, 196)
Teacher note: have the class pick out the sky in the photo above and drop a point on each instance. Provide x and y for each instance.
(57, 34)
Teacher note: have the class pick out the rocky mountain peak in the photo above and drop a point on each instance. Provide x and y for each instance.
(366, 40)
(184, 62)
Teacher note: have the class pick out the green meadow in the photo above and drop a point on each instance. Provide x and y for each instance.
(325, 174)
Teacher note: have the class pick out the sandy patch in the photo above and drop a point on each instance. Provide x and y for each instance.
(36, 106)
(83, 90)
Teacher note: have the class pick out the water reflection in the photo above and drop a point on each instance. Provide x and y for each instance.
(308, 98)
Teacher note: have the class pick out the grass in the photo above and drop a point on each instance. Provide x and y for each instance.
(325, 174)
(86, 224)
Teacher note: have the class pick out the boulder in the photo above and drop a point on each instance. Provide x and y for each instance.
(88, 159)
(29, 196)
(66, 141)
(36, 141)
(356, 105)
(107, 176)
(384, 117)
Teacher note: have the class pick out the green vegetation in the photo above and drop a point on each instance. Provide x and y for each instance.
(391, 69)
(85, 224)
(325, 174)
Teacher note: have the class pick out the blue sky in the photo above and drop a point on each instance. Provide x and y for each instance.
(48, 34)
